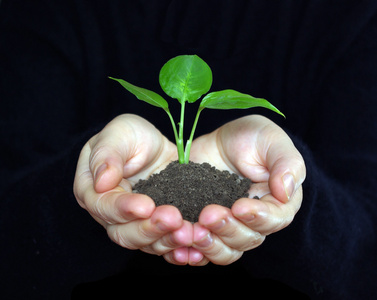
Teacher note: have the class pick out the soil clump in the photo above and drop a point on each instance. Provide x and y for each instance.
(190, 187)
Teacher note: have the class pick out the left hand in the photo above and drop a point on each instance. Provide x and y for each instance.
(256, 148)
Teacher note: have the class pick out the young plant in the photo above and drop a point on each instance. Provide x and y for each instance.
(186, 78)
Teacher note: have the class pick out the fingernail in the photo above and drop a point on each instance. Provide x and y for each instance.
(248, 217)
(163, 227)
(195, 256)
(99, 172)
(205, 242)
(217, 225)
(289, 184)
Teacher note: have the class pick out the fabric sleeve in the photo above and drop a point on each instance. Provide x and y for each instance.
(333, 238)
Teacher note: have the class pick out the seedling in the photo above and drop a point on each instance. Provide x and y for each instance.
(187, 78)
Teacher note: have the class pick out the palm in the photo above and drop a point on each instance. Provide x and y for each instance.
(235, 148)
(256, 148)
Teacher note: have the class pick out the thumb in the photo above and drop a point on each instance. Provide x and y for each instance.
(287, 169)
(106, 166)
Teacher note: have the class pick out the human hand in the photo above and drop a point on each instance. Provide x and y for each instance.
(256, 148)
(128, 149)
(109, 165)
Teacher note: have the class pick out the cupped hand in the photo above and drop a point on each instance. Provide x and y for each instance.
(128, 149)
(256, 148)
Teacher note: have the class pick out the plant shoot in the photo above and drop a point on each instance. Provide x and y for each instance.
(187, 78)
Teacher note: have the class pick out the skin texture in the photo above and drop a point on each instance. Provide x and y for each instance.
(129, 148)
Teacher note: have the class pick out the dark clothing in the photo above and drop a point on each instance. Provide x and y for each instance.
(314, 60)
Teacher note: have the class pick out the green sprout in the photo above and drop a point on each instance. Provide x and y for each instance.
(186, 78)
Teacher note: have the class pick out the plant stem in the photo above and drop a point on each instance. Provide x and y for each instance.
(189, 141)
(180, 146)
(173, 125)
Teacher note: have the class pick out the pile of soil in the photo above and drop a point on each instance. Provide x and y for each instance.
(190, 187)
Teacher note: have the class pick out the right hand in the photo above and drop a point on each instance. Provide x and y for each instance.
(128, 149)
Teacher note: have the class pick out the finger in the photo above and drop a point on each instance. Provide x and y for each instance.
(287, 169)
(232, 232)
(181, 237)
(128, 147)
(196, 258)
(178, 256)
(106, 162)
(141, 233)
(260, 150)
(267, 215)
(213, 248)
(98, 166)
(83, 176)
(186, 255)
(116, 206)
(119, 205)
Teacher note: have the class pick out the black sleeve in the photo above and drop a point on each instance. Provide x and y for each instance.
(329, 249)
(40, 86)
(314, 60)
(44, 122)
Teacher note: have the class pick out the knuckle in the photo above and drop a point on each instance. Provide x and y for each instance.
(131, 236)
(257, 241)
(95, 156)
(163, 245)
(228, 258)
(150, 250)
(81, 180)
(116, 234)
(281, 223)
(145, 233)
(254, 241)
(99, 209)
(300, 164)
(219, 254)
(156, 249)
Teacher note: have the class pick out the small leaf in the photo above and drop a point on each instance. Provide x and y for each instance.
(186, 78)
(230, 99)
(143, 94)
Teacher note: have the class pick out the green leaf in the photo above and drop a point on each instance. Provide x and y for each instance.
(186, 78)
(230, 99)
(143, 94)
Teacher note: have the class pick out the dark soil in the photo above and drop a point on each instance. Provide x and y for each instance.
(191, 187)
